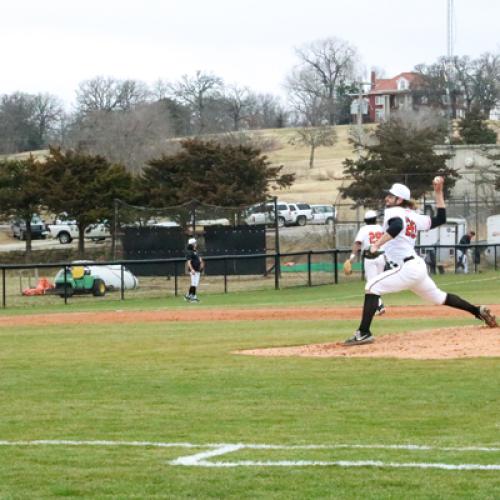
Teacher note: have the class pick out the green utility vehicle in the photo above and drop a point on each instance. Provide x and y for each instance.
(78, 280)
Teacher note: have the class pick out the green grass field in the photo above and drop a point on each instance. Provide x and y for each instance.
(179, 382)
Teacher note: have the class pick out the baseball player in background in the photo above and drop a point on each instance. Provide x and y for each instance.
(367, 235)
(195, 265)
(401, 224)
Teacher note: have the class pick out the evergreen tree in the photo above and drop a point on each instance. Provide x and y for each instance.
(212, 173)
(399, 153)
(474, 130)
(84, 186)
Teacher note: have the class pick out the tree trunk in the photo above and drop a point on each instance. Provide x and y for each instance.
(81, 241)
(28, 238)
(311, 155)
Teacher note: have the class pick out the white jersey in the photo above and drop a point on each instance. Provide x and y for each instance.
(369, 234)
(403, 245)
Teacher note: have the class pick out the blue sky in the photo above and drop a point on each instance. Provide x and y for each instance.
(52, 45)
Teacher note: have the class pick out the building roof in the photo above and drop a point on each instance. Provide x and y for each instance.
(390, 85)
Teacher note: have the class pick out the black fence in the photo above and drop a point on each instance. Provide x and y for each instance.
(312, 267)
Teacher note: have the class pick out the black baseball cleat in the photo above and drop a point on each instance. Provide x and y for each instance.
(187, 297)
(486, 315)
(359, 338)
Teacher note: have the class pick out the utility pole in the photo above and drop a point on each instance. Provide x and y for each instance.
(448, 70)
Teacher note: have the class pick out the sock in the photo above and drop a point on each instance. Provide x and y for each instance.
(369, 309)
(457, 302)
(192, 290)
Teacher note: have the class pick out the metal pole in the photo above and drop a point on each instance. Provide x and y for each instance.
(309, 280)
(276, 246)
(225, 275)
(4, 303)
(122, 283)
(335, 266)
(176, 285)
(65, 285)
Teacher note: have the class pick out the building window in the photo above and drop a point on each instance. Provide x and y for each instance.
(379, 100)
(402, 84)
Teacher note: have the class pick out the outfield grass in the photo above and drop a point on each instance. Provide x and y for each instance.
(179, 382)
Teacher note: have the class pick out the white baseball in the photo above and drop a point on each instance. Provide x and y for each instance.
(438, 179)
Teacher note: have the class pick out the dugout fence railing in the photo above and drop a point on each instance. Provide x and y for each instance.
(313, 267)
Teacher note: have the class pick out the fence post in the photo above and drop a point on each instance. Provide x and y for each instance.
(335, 266)
(277, 263)
(309, 280)
(65, 285)
(122, 283)
(225, 275)
(176, 284)
(495, 258)
(4, 303)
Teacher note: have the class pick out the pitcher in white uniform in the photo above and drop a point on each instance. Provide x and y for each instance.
(368, 234)
(401, 224)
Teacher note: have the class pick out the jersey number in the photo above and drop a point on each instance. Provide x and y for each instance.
(373, 237)
(411, 228)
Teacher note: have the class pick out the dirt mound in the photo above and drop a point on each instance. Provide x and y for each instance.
(439, 343)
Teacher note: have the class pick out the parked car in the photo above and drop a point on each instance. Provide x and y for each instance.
(38, 228)
(66, 233)
(322, 214)
(304, 213)
(261, 214)
(287, 214)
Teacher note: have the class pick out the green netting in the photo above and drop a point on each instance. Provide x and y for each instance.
(319, 266)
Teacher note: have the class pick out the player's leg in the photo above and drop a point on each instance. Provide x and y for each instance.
(195, 281)
(389, 281)
(428, 290)
(192, 289)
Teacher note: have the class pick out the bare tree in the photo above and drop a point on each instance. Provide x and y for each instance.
(314, 137)
(322, 66)
(196, 92)
(239, 101)
(47, 114)
(108, 94)
(130, 138)
(17, 131)
(487, 82)
(266, 111)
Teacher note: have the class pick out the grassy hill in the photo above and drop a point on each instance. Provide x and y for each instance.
(317, 185)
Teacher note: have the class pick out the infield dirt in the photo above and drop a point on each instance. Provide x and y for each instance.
(440, 343)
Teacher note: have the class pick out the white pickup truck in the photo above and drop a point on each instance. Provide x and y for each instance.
(66, 233)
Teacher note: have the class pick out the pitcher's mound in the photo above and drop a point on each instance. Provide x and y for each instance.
(441, 343)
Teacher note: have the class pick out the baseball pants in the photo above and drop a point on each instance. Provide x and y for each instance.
(195, 278)
(411, 275)
(373, 267)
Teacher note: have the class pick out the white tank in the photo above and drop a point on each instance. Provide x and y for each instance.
(493, 237)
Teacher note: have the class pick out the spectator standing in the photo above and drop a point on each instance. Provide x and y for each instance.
(463, 251)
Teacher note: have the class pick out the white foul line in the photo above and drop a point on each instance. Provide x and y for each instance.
(219, 449)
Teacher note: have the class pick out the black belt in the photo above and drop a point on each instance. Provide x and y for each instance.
(406, 259)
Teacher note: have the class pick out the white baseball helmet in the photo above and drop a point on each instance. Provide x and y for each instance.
(192, 241)
(370, 214)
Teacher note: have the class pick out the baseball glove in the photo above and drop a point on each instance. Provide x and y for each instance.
(371, 255)
(347, 267)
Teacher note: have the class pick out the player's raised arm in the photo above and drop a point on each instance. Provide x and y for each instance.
(440, 217)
